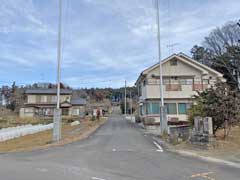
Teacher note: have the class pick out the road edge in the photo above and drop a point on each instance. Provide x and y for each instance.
(185, 153)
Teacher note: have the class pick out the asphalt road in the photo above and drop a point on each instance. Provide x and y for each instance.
(117, 151)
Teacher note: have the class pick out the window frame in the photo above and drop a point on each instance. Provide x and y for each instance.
(43, 98)
(182, 113)
(168, 109)
(173, 62)
(151, 109)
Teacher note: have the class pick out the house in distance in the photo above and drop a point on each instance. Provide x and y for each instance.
(41, 102)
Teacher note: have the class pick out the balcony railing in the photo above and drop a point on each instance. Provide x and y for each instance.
(200, 87)
(173, 87)
(179, 87)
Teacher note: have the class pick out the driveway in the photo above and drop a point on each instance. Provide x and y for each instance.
(117, 151)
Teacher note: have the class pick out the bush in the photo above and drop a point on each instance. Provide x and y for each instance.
(221, 103)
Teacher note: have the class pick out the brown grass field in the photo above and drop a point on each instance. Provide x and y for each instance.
(44, 139)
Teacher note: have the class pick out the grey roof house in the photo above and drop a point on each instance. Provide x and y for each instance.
(41, 102)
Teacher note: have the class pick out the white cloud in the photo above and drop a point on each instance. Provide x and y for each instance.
(103, 39)
(20, 16)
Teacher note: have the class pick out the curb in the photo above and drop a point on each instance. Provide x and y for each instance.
(205, 158)
(170, 148)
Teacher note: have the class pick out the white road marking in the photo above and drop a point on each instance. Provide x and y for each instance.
(159, 148)
(114, 150)
(203, 175)
(42, 170)
(130, 150)
(96, 178)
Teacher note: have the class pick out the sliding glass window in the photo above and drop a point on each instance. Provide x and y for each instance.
(153, 108)
(182, 108)
(171, 108)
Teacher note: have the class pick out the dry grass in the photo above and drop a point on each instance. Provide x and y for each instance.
(44, 139)
(226, 148)
(232, 142)
(12, 121)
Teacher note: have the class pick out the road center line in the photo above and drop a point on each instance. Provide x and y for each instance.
(159, 148)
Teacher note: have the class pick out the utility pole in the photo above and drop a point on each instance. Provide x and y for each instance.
(57, 124)
(162, 117)
(131, 104)
(125, 99)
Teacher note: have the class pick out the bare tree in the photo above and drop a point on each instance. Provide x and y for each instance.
(222, 38)
(221, 51)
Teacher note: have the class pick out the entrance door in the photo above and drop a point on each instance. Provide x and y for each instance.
(65, 111)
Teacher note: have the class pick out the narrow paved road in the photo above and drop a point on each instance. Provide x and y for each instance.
(117, 151)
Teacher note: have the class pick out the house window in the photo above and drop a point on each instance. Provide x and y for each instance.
(171, 108)
(144, 82)
(205, 81)
(182, 108)
(186, 81)
(173, 62)
(139, 89)
(43, 99)
(166, 81)
(141, 110)
(67, 99)
(75, 112)
(54, 99)
(153, 108)
(65, 111)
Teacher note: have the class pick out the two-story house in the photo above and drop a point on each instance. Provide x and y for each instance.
(182, 78)
(41, 102)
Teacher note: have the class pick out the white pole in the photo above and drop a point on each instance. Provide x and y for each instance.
(125, 99)
(57, 113)
(59, 53)
(160, 69)
(131, 104)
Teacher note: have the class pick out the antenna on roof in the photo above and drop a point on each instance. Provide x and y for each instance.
(171, 47)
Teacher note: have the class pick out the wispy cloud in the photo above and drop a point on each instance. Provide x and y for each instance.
(103, 40)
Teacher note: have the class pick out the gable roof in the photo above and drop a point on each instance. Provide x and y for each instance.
(200, 64)
(186, 59)
(47, 91)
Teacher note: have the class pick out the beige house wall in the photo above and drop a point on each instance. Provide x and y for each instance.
(182, 69)
(32, 99)
(80, 110)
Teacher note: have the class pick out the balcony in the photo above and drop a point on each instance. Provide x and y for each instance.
(200, 87)
(173, 87)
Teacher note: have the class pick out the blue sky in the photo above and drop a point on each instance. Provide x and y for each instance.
(104, 41)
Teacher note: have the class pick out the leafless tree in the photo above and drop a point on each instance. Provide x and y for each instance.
(223, 37)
